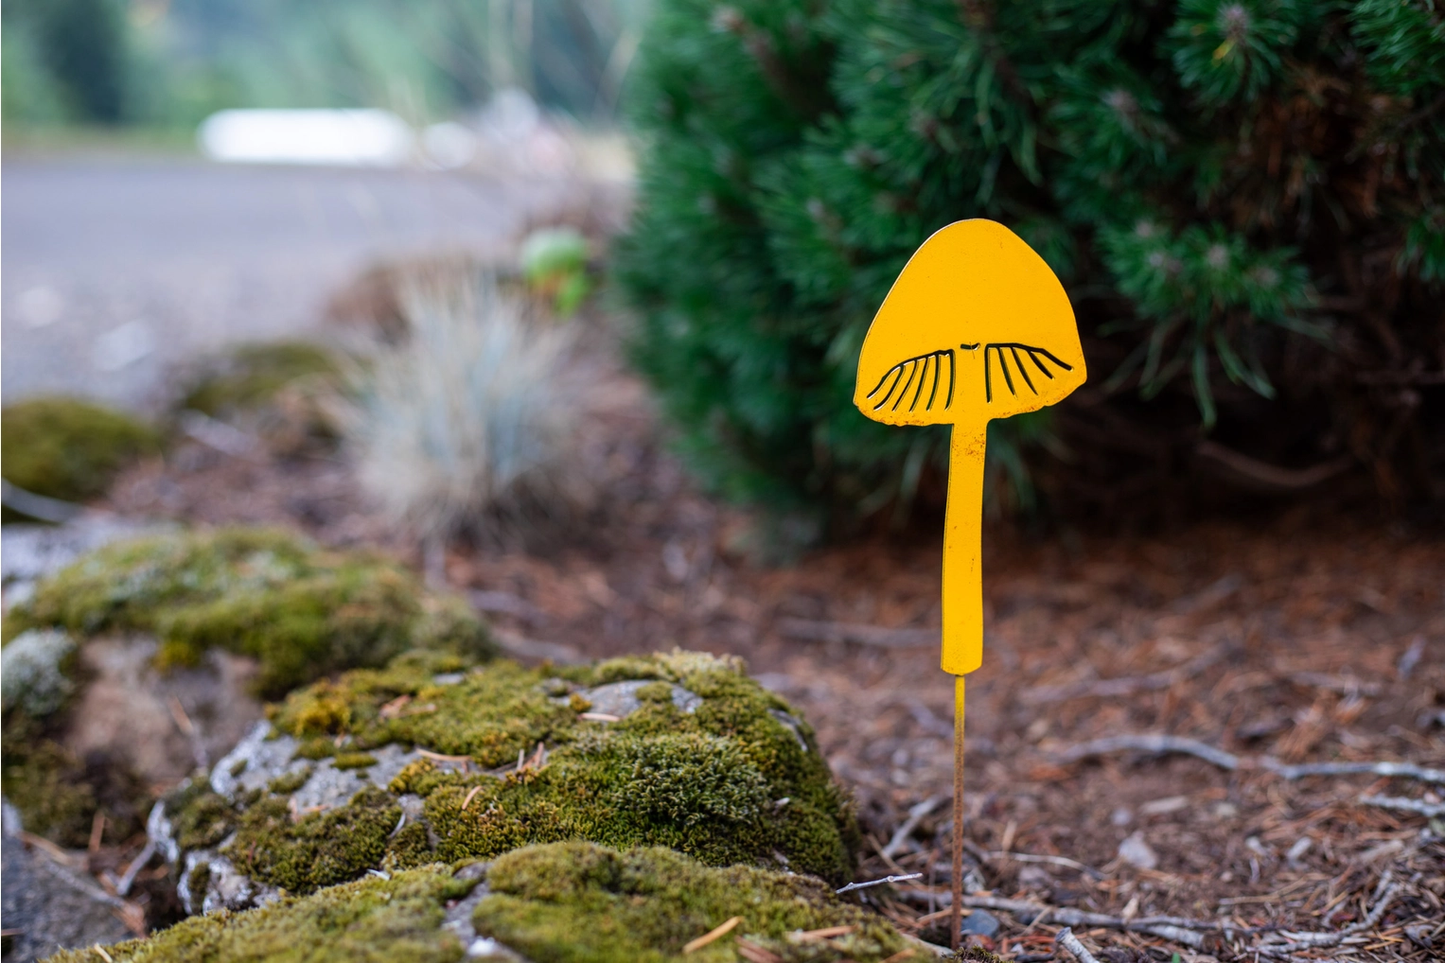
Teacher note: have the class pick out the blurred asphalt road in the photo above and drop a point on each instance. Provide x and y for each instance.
(114, 270)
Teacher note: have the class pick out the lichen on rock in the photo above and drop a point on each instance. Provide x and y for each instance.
(202, 621)
(695, 756)
(35, 675)
(564, 902)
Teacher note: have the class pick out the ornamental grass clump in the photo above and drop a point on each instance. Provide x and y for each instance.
(1242, 198)
(464, 424)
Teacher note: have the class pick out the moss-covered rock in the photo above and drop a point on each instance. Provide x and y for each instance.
(67, 448)
(576, 902)
(397, 920)
(680, 750)
(282, 392)
(190, 620)
(300, 611)
(251, 376)
(559, 903)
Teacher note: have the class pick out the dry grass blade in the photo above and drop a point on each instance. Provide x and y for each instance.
(754, 953)
(826, 933)
(712, 935)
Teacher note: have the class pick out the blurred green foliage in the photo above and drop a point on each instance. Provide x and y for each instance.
(170, 64)
(1243, 198)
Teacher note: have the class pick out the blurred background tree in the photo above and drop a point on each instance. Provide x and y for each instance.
(1244, 198)
(170, 63)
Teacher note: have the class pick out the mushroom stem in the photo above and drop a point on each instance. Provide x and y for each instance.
(955, 927)
(962, 544)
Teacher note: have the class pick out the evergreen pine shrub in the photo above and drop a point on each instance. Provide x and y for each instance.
(1244, 198)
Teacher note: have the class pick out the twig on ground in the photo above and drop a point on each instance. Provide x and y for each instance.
(1117, 688)
(46, 509)
(122, 888)
(1411, 658)
(1287, 942)
(1189, 932)
(916, 814)
(520, 647)
(1343, 684)
(1407, 770)
(1066, 938)
(505, 603)
(1405, 805)
(810, 630)
(876, 882)
(1151, 742)
(1051, 860)
(1161, 744)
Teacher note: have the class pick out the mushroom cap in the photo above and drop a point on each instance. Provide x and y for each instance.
(976, 327)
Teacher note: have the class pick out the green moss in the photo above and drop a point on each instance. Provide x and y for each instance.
(57, 794)
(353, 760)
(67, 448)
(290, 782)
(302, 852)
(251, 375)
(200, 818)
(730, 782)
(581, 902)
(300, 611)
(395, 920)
(563, 903)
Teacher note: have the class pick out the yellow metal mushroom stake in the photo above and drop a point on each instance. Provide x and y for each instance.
(975, 328)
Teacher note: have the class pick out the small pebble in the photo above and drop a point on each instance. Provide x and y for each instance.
(979, 923)
(1136, 852)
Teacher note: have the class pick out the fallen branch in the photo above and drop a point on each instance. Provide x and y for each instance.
(46, 509)
(122, 888)
(1151, 742)
(875, 882)
(1287, 942)
(1160, 744)
(1407, 770)
(521, 647)
(1183, 930)
(1066, 938)
(505, 603)
(1050, 860)
(810, 630)
(1402, 804)
(916, 815)
(1118, 688)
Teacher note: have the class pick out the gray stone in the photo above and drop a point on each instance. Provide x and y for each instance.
(1138, 853)
(979, 923)
(31, 552)
(50, 906)
(261, 757)
(620, 698)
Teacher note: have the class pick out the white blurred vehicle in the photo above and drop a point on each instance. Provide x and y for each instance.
(361, 138)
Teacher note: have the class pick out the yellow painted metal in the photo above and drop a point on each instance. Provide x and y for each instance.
(976, 327)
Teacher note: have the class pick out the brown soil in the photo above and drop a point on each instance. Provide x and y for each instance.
(1291, 638)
